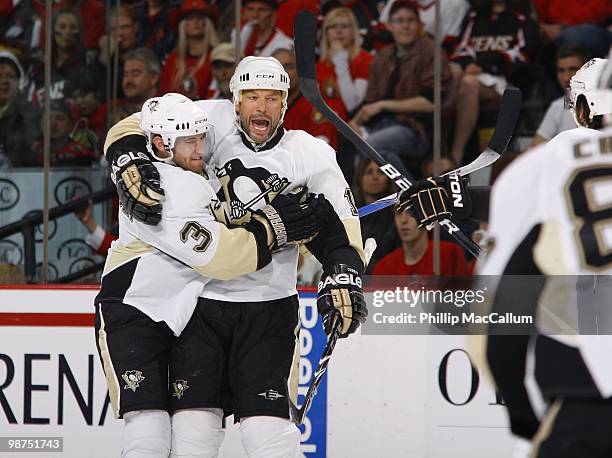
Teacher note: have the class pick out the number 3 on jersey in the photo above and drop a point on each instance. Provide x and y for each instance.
(589, 193)
(197, 233)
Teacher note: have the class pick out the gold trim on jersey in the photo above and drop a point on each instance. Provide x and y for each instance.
(120, 254)
(127, 126)
(546, 426)
(547, 252)
(114, 389)
(235, 255)
(353, 232)
(294, 371)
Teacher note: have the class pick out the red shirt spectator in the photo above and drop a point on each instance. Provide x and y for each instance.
(187, 70)
(344, 67)
(300, 114)
(415, 256)
(452, 262)
(573, 12)
(288, 10)
(303, 116)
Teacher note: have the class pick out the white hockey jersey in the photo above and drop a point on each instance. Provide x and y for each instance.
(162, 270)
(565, 188)
(249, 179)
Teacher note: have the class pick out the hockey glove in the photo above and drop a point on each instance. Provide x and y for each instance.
(340, 296)
(138, 186)
(296, 217)
(434, 199)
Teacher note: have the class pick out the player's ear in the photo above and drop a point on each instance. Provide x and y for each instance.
(158, 143)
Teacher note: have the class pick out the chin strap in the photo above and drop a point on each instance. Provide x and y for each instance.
(256, 146)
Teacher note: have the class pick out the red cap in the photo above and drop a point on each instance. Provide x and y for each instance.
(189, 6)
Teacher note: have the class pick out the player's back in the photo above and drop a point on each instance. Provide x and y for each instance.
(564, 189)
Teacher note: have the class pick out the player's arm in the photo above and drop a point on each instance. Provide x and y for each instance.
(338, 246)
(189, 232)
(515, 229)
(133, 172)
(434, 199)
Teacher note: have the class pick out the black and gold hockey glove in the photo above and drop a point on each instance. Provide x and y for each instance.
(294, 217)
(138, 186)
(340, 296)
(434, 199)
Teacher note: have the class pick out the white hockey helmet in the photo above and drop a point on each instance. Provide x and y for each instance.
(260, 73)
(586, 84)
(171, 116)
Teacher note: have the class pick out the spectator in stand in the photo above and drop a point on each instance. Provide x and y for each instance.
(400, 90)
(452, 13)
(576, 21)
(90, 13)
(67, 57)
(97, 238)
(288, 10)
(187, 69)
(64, 150)
(19, 27)
(259, 36)
(493, 41)
(124, 38)
(19, 119)
(223, 64)
(155, 28)
(300, 113)
(369, 185)
(415, 256)
(88, 100)
(343, 69)
(569, 59)
(141, 72)
(374, 34)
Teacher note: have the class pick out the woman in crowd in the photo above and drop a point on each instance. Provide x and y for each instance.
(67, 57)
(343, 69)
(369, 185)
(187, 69)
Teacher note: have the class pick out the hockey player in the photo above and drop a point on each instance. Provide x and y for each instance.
(550, 213)
(243, 321)
(154, 276)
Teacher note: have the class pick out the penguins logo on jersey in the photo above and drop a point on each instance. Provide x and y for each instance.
(237, 183)
(132, 379)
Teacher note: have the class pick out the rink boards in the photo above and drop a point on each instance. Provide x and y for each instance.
(392, 396)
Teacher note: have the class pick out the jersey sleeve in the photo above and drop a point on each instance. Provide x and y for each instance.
(189, 232)
(340, 241)
(125, 134)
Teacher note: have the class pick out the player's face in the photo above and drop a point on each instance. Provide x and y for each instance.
(566, 68)
(189, 152)
(407, 228)
(405, 27)
(260, 111)
(373, 181)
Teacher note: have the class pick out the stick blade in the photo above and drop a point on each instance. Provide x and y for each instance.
(507, 118)
(305, 31)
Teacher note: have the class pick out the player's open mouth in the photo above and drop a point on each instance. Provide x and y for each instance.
(260, 125)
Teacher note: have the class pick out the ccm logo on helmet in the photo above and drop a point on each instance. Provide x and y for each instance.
(456, 190)
(265, 75)
(340, 280)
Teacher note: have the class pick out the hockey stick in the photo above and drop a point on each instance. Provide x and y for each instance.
(507, 118)
(305, 45)
(296, 413)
